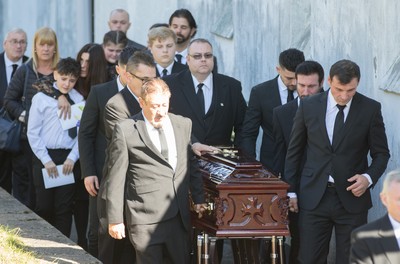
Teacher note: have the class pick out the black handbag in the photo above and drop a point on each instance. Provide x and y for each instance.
(10, 129)
(10, 132)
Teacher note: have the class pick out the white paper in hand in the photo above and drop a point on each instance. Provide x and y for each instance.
(61, 180)
(76, 114)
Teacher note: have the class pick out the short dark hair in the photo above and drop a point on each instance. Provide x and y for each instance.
(116, 37)
(310, 67)
(187, 15)
(345, 71)
(139, 57)
(125, 54)
(68, 66)
(290, 58)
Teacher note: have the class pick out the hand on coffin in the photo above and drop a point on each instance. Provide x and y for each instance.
(293, 207)
(200, 149)
(200, 209)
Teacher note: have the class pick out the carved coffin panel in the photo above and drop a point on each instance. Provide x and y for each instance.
(244, 199)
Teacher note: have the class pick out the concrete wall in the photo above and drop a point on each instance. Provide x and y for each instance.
(248, 35)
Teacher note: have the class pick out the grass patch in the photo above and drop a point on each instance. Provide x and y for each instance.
(12, 249)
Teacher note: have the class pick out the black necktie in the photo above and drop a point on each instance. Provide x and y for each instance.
(290, 96)
(178, 58)
(15, 66)
(164, 72)
(200, 97)
(339, 121)
(72, 132)
(163, 143)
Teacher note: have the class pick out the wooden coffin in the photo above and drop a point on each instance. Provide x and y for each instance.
(244, 199)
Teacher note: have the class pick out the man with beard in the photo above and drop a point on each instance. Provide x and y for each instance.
(183, 24)
(263, 99)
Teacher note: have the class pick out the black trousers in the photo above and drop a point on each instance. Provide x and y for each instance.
(5, 170)
(110, 250)
(23, 188)
(316, 226)
(55, 204)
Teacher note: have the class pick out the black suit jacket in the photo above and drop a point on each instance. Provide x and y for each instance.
(3, 76)
(363, 133)
(92, 141)
(282, 126)
(135, 45)
(375, 242)
(226, 112)
(176, 68)
(263, 99)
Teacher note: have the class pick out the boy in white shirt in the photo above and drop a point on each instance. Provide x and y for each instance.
(54, 146)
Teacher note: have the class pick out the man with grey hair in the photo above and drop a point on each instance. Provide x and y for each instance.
(11, 58)
(379, 241)
(119, 20)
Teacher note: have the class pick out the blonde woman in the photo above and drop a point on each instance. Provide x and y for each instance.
(45, 56)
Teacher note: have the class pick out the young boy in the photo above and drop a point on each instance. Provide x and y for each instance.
(162, 45)
(54, 146)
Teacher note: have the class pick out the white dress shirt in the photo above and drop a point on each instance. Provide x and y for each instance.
(169, 68)
(169, 135)
(44, 127)
(184, 53)
(9, 67)
(396, 228)
(207, 90)
(119, 84)
(283, 91)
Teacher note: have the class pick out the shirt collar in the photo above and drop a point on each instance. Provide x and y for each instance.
(396, 226)
(8, 62)
(149, 126)
(332, 102)
(169, 68)
(119, 84)
(207, 82)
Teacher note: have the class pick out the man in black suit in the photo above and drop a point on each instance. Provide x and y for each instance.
(92, 142)
(214, 102)
(149, 178)
(162, 45)
(309, 81)
(379, 241)
(11, 58)
(336, 130)
(119, 20)
(263, 99)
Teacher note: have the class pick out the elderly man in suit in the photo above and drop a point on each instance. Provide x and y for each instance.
(379, 241)
(150, 179)
(335, 130)
(11, 58)
(92, 145)
(309, 80)
(263, 99)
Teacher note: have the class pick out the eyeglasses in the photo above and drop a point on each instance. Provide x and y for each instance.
(15, 42)
(143, 79)
(199, 56)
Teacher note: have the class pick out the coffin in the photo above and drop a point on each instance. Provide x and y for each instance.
(244, 199)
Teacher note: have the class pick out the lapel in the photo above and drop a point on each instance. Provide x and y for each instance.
(3, 76)
(140, 125)
(275, 94)
(188, 91)
(388, 239)
(321, 109)
(350, 120)
(130, 101)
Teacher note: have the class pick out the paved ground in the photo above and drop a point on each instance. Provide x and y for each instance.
(39, 236)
